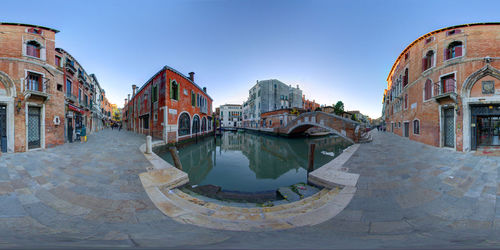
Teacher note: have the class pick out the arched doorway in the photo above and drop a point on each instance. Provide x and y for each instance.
(7, 93)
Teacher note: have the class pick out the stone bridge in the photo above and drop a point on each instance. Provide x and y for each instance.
(346, 128)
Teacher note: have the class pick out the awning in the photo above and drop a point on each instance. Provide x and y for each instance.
(75, 108)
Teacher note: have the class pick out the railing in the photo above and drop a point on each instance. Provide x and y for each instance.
(444, 87)
(70, 66)
(40, 85)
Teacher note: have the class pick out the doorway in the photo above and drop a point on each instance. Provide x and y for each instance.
(449, 127)
(34, 127)
(488, 131)
(407, 129)
(3, 128)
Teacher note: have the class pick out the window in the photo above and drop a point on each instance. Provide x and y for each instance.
(196, 124)
(174, 90)
(416, 127)
(35, 31)
(79, 95)
(406, 101)
(155, 116)
(145, 121)
(453, 50)
(407, 55)
(428, 40)
(68, 87)
(447, 84)
(405, 78)
(34, 81)
(209, 123)
(86, 100)
(204, 124)
(399, 124)
(58, 61)
(59, 87)
(453, 32)
(428, 89)
(428, 60)
(154, 94)
(33, 49)
(193, 99)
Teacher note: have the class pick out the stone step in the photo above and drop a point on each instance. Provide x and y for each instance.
(289, 194)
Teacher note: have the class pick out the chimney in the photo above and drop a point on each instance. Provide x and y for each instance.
(128, 97)
(133, 89)
(205, 89)
(126, 100)
(297, 86)
(191, 76)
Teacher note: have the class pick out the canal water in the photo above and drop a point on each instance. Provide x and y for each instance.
(252, 163)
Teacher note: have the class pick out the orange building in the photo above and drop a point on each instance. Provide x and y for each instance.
(170, 106)
(309, 105)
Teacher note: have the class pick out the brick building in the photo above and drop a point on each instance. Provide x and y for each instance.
(170, 106)
(444, 88)
(279, 118)
(309, 105)
(31, 88)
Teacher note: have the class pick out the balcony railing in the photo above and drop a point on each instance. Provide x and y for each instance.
(70, 67)
(204, 109)
(70, 97)
(36, 88)
(445, 89)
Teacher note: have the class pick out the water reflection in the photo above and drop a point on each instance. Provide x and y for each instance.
(249, 162)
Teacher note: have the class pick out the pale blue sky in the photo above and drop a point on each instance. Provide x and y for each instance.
(335, 50)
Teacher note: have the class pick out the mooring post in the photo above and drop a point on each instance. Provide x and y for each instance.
(175, 157)
(149, 145)
(310, 168)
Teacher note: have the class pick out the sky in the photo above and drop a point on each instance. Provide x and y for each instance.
(334, 50)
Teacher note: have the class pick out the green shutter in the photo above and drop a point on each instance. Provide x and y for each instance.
(178, 89)
(171, 92)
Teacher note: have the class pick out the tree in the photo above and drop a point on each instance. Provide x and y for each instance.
(338, 108)
(353, 117)
(318, 109)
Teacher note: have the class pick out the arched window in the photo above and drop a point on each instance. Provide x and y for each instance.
(184, 124)
(428, 89)
(416, 127)
(196, 124)
(174, 90)
(33, 49)
(453, 50)
(405, 78)
(428, 60)
(204, 124)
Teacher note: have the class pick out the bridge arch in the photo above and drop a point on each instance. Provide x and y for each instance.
(303, 126)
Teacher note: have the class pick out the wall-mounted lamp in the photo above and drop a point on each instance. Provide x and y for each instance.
(457, 109)
(18, 105)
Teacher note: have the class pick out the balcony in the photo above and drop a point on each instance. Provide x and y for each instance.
(36, 88)
(445, 90)
(70, 97)
(204, 109)
(70, 67)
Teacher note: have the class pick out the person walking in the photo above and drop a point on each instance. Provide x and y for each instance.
(83, 134)
(120, 128)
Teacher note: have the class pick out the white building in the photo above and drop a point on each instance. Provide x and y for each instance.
(231, 115)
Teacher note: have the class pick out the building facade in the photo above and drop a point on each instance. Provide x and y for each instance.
(31, 88)
(444, 88)
(170, 106)
(231, 115)
(269, 95)
(309, 105)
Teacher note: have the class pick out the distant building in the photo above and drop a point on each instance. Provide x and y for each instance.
(309, 105)
(231, 115)
(279, 118)
(269, 95)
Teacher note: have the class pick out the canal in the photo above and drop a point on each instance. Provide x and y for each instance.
(252, 163)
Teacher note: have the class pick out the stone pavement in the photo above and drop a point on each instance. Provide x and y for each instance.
(409, 195)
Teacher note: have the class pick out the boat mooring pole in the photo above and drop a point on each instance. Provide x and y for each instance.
(175, 157)
(310, 168)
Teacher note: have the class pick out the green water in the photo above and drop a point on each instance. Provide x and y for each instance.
(248, 162)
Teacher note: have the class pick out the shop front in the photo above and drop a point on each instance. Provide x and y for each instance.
(485, 125)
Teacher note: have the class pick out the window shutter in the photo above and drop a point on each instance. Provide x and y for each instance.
(445, 54)
(431, 60)
(424, 64)
(171, 92)
(458, 51)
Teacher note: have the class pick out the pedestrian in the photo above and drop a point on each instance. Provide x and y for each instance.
(120, 128)
(83, 134)
(112, 126)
